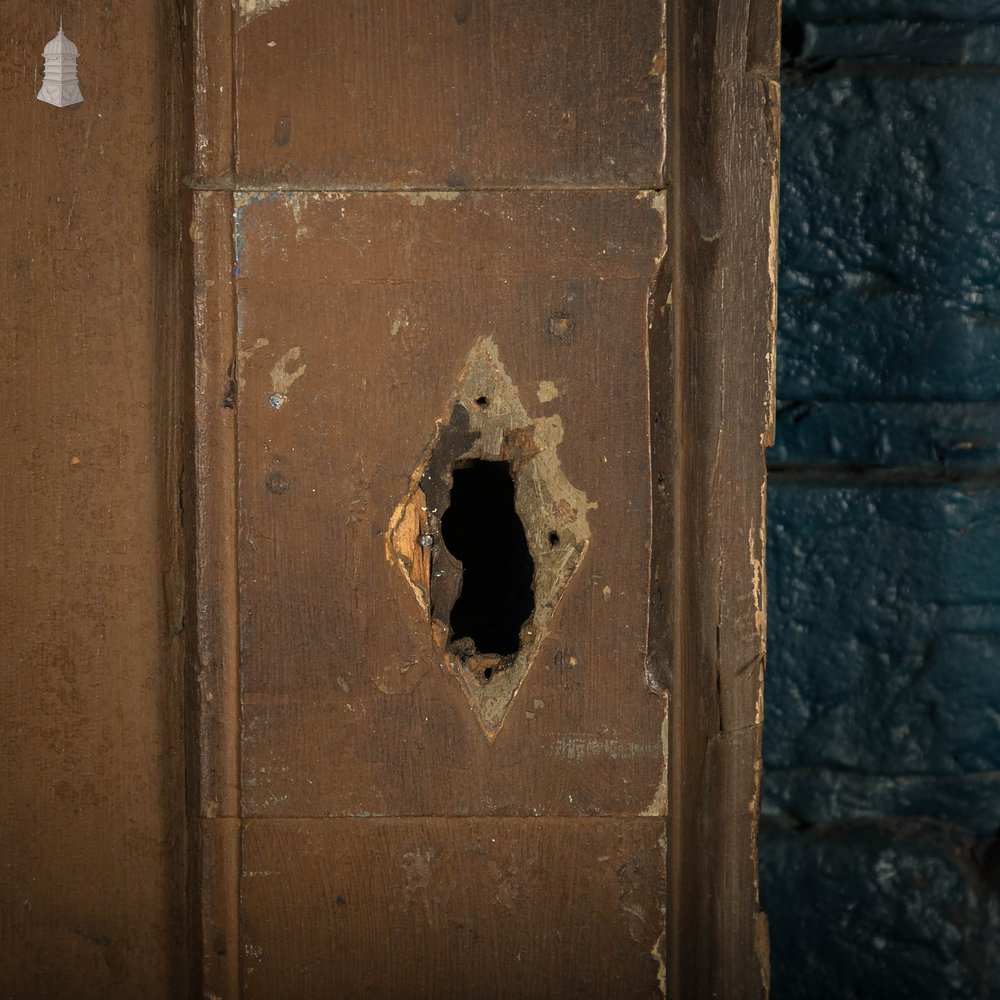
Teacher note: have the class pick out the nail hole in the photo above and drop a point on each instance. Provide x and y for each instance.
(561, 325)
(482, 402)
(487, 673)
(553, 539)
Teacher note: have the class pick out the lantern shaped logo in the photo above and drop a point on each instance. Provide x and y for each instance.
(60, 86)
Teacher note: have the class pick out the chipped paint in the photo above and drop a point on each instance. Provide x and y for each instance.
(281, 378)
(417, 867)
(757, 539)
(486, 420)
(547, 391)
(399, 321)
(767, 438)
(243, 357)
(250, 9)
(658, 804)
(579, 748)
(661, 965)
(420, 198)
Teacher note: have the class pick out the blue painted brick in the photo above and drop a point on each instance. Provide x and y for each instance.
(872, 10)
(884, 623)
(814, 795)
(945, 438)
(838, 46)
(890, 239)
(883, 910)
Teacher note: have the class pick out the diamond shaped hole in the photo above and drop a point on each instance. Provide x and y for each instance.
(489, 535)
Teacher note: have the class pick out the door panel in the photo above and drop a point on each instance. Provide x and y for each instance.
(445, 908)
(357, 315)
(441, 339)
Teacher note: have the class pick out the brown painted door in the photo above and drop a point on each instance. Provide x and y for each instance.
(440, 432)
(447, 221)
(453, 318)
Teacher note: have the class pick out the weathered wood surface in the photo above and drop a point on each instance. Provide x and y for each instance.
(492, 908)
(357, 306)
(552, 130)
(91, 800)
(450, 93)
(723, 217)
(374, 301)
(354, 314)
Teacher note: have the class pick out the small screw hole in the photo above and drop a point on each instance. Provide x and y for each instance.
(482, 402)
(553, 539)
(487, 673)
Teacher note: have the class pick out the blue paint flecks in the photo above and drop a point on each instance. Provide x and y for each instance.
(277, 400)
(241, 220)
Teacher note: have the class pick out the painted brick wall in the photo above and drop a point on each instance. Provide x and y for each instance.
(880, 861)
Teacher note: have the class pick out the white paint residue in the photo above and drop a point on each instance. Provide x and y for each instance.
(547, 391)
(249, 9)
(417, 867)
(281, 378)
(420, 198)
(661, 965)
(242, 357)
(399, 321)
(658, 805)
(579, 747)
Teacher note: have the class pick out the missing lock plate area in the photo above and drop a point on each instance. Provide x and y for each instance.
(489, 534)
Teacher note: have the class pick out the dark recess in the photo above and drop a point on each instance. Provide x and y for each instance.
(482, 530)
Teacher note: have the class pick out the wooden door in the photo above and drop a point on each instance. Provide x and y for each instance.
(465, 478)
(470, 336)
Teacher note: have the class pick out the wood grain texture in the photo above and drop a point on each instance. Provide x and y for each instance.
(357, 304)
(91, 802)
(215, 689)
(724, 124)
(213, 678)
(211, 91)
(452, 93)
(448, 908)
(376, 300)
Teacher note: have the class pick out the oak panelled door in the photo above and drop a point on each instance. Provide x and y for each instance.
(479, 296)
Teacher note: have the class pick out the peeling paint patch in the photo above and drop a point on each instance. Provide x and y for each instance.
(658, 804)
(547, 391)
(485, 422)
(420, 198)
(250, 9)
(281, 378)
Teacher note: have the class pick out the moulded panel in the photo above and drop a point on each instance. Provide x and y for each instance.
(358, 315)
